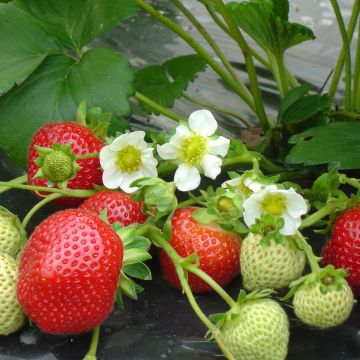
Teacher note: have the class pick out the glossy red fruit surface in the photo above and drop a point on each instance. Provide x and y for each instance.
(119, 207)
(218, 250)
(69, 272)
(343, 250)
(82, 141)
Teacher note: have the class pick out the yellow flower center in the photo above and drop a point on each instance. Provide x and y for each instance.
(193, 149)
(128, 159)
(274, 204)
(244, 189)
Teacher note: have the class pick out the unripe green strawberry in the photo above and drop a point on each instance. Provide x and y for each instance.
(274, 266)
(323, 309)
(258, 331)
(11, 314)
(10, 233)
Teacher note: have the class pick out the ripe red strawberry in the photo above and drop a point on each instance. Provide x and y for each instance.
(82, 141)
(218, 251)
(343, 250)
(119, 206)
(69, 272)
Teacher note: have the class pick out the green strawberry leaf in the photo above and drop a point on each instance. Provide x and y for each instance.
(295, 107)
(334, 143)
(52, 93)
(266, 21)
(76, 23)
(24, 45)
(167, 82)
(139, 271)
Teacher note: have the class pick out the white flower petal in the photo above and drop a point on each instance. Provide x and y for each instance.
(120, 142)
(186, 178)
(252, 210)
(211, 165)
(232, 182)
(203, 122)
(136, 138)
(112, 178)
(254, 186)
(181, 132)
(168, 151)
(219, 146)
(128, 179)
(290, 225)
(107, 157)
(295, 204)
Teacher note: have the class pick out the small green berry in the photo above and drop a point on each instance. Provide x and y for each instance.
(57, 166)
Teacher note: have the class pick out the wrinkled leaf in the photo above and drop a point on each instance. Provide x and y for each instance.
(78, 22)
(303, 108)
(266, 21)
(334, 143)
(53, 92)
(22, 48)
(165, 83)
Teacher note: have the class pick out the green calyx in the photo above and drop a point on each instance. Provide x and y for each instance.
(223, 207)
(268, 227)
(56, 164)
(157, 195)
(136, 251)
(330, 279)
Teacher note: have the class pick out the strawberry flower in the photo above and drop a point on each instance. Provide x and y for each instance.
(127, 159)
(286, 204)
(194, 147)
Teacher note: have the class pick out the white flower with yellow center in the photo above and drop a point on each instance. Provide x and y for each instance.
(195, 148)
(286, 204)
(126, 159)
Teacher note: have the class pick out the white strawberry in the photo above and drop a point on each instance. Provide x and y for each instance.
(324, 299)
(256, 329)
(10, 233)
(272, 266)
(11, 315)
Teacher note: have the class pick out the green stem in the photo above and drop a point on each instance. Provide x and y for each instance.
(347, 54)
(283, 74)
(176, 259)
(312, 259)
(217, 108)
(350, 181)
(347, 114)
(318, 215)
(292, 79)
(63, 192)
(242, 91)
(87, 156)
(38, 206)
(250, 67)
(356, 85)
(210, 281)
(20, 180)
(340, 63)
(190, 202)
(209, 40)
(142, 98)
(91, 354)
(278, 73)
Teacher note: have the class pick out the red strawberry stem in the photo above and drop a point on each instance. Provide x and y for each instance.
(91, 354)
(181, 269)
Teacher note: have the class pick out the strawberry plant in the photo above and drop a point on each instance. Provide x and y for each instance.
(210, 207)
